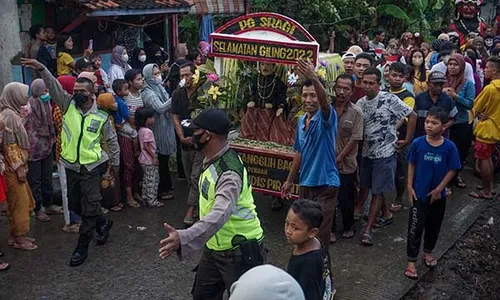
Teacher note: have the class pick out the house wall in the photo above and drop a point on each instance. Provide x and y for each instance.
(10, 44)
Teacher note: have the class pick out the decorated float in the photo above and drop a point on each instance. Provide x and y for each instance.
(251, 76)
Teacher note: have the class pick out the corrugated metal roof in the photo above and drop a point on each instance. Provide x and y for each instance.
(132, 4)
(218, 7)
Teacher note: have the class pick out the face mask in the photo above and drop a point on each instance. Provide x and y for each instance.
(417, 62)
(45, 98)
(488, 42)
(198, 143)
(142, 58)
(158, 79)
(79, 99)
(125, 57)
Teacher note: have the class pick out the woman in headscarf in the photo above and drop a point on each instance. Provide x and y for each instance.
(71, 219)
(463, 92)
(119, 65)
(3, 188)
(39, 125)
(15, 149)
(139, 58)
(156, 97)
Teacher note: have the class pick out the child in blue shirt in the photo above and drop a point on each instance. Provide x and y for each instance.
(432, 162)
(123, 127)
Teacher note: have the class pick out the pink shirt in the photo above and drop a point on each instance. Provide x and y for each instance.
(146, 136)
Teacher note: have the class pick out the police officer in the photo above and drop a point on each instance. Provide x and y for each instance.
(84, 126)
(229, 230)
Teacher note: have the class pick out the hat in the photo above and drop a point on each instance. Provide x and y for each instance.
(437, 77)
(348, 55)
(211, 119)
(266, 282)
(82, 63)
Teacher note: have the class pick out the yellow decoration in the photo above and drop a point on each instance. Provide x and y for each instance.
(321, 73)
(196, 76)
(214, 92)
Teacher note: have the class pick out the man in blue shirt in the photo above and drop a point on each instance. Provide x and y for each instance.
(315, 151)
(433, 162)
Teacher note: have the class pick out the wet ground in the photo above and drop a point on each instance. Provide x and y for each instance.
(128, 266)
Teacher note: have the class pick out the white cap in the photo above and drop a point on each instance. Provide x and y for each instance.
(348, 55)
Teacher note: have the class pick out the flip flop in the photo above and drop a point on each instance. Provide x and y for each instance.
(480, 188)
(479, 195)
(431, 263)
(382, 222)
(11, 241)
(116, 208)
(396, 207)
(4, 266)
(460, 183)
(367, 239)
(188, 221)
(25, 247)
(411, 274)
(349, 234)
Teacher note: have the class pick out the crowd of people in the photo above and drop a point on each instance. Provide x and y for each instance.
(403, 119)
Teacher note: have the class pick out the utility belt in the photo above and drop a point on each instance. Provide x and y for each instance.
(249, 252)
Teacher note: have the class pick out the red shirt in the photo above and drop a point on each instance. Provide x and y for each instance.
(357, 93)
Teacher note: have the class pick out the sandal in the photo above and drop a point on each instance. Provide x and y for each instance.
(357, 217)
(333, 238)
(382, 222)
(411, 273)
(367, 239)
(349, 234)
(396, 207)
(42, 217)
(480, 188)
(460, 183)
(480, 195)
(4, 266)
(188, 221)
(430, 262)
(11, 240)
(116, 208)
(133, 204)
(25, 246)
(156, 204)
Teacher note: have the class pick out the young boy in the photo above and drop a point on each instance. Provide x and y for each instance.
(127, 137)
(432, 162)
(309, 264)
(102, 77)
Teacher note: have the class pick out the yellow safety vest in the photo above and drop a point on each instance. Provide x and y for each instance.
(80, 137)
(244, 220)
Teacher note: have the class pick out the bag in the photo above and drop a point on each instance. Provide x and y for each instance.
(251, 253)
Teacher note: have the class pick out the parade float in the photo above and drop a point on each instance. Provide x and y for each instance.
(251, 76)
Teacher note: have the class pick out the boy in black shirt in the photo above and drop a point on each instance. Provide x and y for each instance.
(309, 263)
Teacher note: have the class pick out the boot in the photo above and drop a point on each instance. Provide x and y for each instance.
(102, 230)
(81, 252)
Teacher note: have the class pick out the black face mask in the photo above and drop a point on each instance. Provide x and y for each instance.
(197, 141)
(80, 99)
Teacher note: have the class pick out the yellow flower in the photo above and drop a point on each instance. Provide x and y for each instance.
(321, 73)
(196, 76)
(214, 92)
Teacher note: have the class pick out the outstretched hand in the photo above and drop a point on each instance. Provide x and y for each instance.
(306, 68)
(171, 243)
(32, 63)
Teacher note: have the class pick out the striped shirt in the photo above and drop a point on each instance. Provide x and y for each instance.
(133, 103)
(423, 103)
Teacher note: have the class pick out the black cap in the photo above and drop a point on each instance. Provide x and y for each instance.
(82, 63)
(437, 77)
(211, 119)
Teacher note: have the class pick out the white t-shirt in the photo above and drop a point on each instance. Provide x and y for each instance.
(116, 72)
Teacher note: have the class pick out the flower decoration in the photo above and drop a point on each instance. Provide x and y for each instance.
(323, 63)
(321, 72)
(196, 77)
(214, 92)
(182, 83)
(212, 77)
(292, 78)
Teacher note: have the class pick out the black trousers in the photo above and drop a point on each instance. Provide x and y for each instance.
(178, 156)
(428, 217)
(216, 272)
(346, 200)
(84, 197)
(461, 135)
(165, 179)
(40, 181)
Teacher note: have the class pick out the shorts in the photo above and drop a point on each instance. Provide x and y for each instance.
(378, 174)
(483, 151)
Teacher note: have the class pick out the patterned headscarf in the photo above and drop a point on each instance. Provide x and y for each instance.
(14, 96)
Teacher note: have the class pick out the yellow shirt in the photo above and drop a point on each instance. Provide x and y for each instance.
(420, 86)
(488, 103)
(64, 61)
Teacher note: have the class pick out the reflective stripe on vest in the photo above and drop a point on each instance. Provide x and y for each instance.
(81, 135)
(244, 220)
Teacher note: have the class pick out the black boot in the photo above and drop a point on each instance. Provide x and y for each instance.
(81, 252)
(102, 230)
